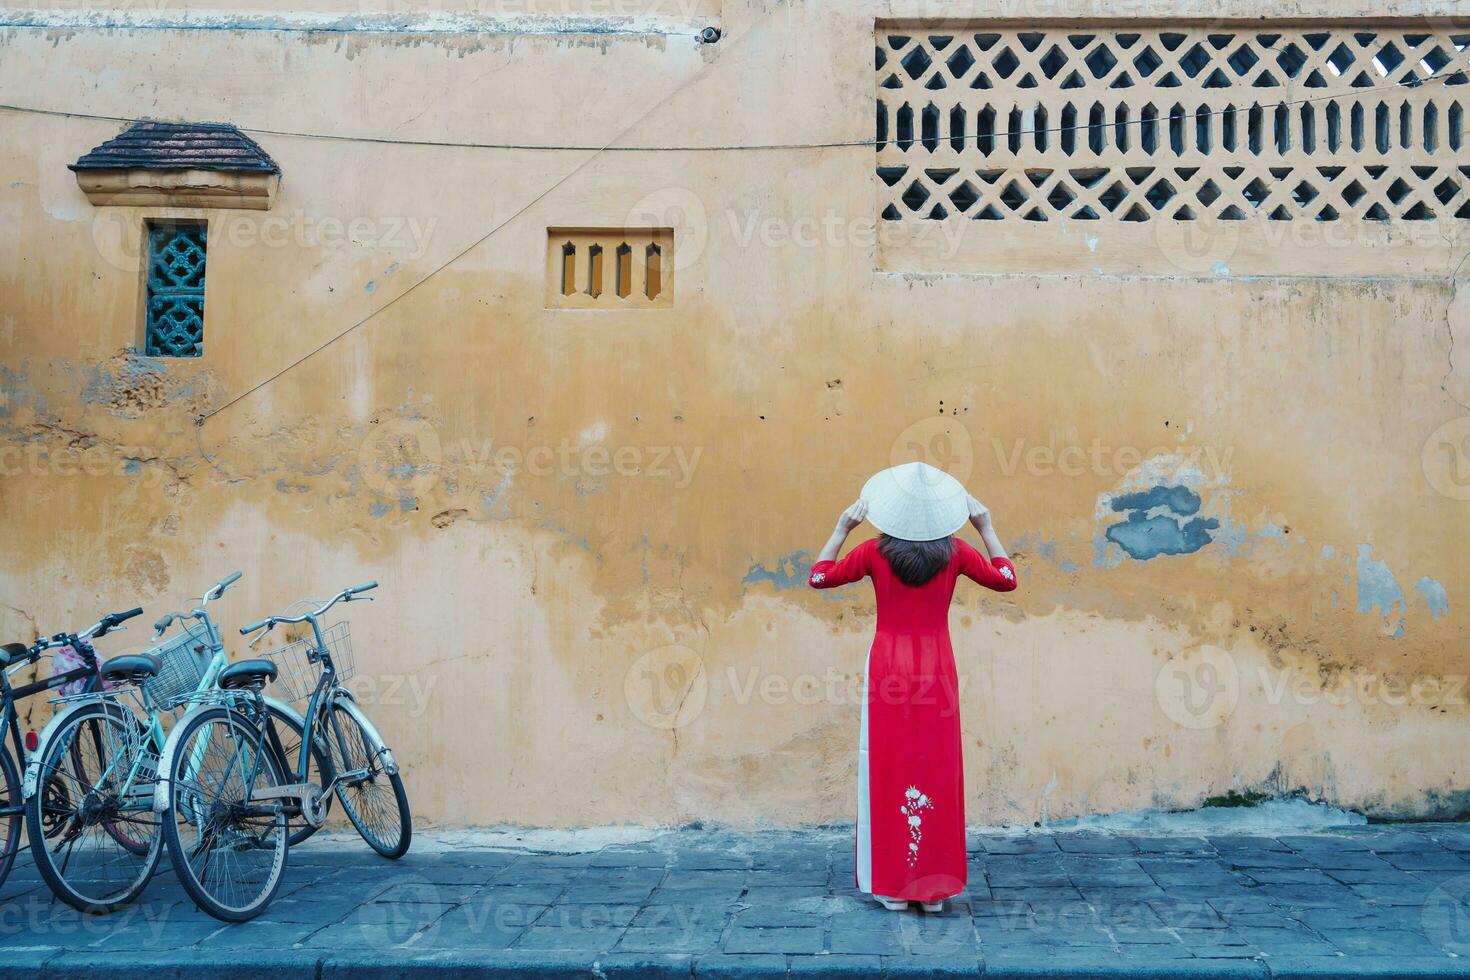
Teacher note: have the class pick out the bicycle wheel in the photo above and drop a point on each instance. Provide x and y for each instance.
(228, 849)
(95, 775)
(11, 810)
(318, 768)
(374, 800)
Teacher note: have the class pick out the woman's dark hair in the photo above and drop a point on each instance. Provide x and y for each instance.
(916, 562)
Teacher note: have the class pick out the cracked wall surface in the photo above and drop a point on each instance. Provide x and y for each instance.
(1240, 549)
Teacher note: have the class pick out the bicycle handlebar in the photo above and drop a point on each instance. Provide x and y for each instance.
(111, 621)
(222, 585)
(214, 592)
(102, 627)
(344, 596)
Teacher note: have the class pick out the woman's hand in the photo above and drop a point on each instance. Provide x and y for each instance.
(980, 517)
(850, 519)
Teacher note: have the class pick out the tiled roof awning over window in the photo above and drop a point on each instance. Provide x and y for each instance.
(163, 164)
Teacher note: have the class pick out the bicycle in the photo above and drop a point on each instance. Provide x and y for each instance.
(97, 762)
(222, 783)
(13, 657)
(288, 722)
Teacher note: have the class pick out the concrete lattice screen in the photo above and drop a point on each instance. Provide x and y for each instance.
(1175, 124)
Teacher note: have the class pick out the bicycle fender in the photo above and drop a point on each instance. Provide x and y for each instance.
(285, 708)
(390, 764)
(60, 719)
(166, 764)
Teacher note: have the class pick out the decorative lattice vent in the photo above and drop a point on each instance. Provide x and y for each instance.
(1172, 124)
(609, 268)
(175, 300)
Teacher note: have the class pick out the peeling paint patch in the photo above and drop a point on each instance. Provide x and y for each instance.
(657, 23)
(1181, 500)
(380, 508)
(1155, 524)
(791, 571)
(447, 517)
(1434, 595)
(1377, 588)
(579, 540)
(129, 385)
(1167, 512)
(15, 387)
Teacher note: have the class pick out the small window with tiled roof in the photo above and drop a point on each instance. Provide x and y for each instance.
(177, 165)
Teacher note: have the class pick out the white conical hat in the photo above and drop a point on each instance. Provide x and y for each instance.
(916, 502)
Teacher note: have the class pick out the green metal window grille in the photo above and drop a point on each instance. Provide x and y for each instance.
(175, 290)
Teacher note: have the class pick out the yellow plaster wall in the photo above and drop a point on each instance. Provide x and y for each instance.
(601, 638)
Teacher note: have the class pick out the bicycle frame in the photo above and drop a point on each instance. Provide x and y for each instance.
(319, 710)
(9, 717)
(10, 720)
(327, 694)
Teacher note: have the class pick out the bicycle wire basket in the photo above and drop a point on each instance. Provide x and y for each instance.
(299, 665)
(182, 661)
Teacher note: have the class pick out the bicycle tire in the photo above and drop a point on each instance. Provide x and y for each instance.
(301, 830)
(92, 810)
(10, 827)
(365, 808)
(185, 797)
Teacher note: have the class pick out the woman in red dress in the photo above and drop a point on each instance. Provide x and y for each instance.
(911, 786)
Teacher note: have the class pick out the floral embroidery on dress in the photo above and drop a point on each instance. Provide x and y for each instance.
(915, 803)
(818, 578)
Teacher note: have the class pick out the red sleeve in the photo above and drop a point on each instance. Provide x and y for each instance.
(858, 564)
(999, 574)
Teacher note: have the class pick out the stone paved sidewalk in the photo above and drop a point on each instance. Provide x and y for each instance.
(1386, 901)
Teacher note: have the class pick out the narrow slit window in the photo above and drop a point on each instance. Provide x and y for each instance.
(175, 298)
(654, 277)
(568, 268)
(594, 271)
(624, 267)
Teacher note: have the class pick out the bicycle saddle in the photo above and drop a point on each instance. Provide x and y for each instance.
(11, 652)
(131, 668)
(247, 673)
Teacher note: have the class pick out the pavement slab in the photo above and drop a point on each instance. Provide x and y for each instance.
(1384, 901)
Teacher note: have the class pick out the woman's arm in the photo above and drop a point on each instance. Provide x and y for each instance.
(850, 519)
(828, 572)
(980, 518)
(995, 572)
